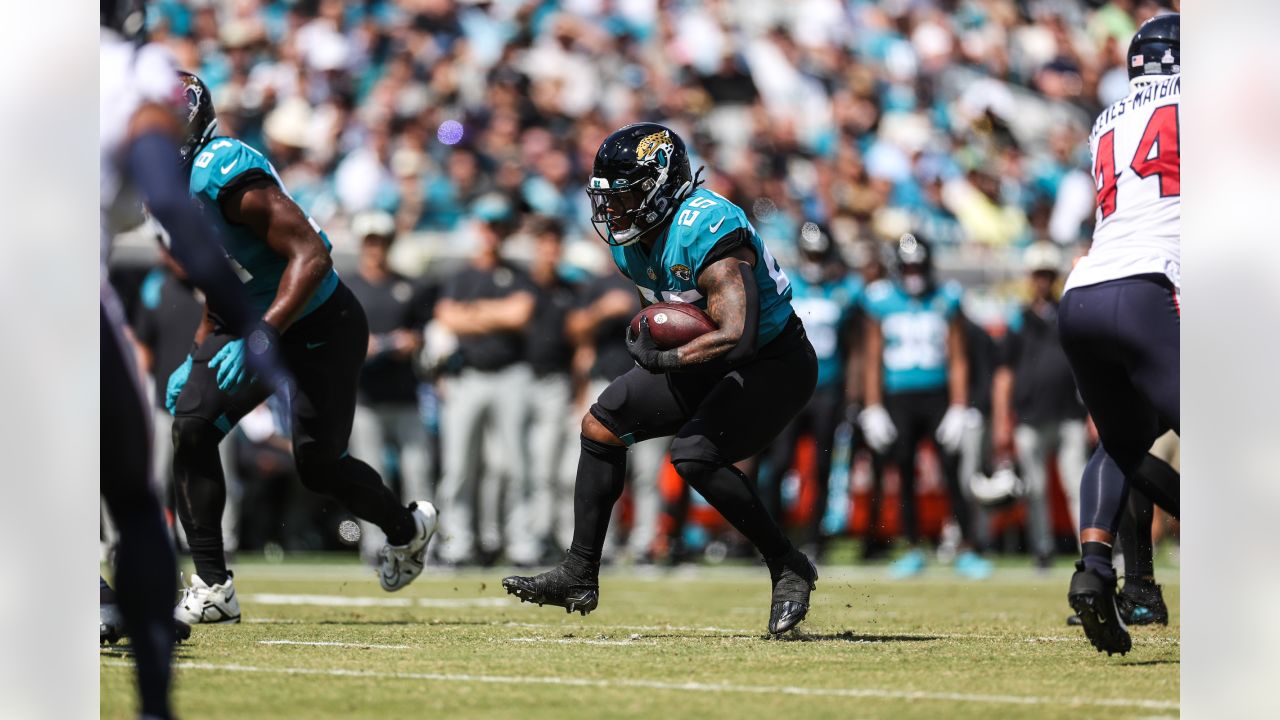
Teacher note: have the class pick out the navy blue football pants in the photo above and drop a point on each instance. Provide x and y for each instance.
(1122, 340)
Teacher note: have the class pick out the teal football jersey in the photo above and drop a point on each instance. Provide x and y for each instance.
(915, 334)
(224, 163)
(669, 271)
(825, 309)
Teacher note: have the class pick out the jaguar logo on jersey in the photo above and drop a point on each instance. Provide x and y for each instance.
(682, 271)
(656, 149)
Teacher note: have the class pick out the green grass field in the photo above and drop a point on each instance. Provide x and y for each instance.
(321, 640)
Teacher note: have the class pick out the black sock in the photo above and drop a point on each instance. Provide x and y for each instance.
(1135, 537)
(1159, 481)
(601, 470)
(736, 498)
(1097, 557)
(201, 491)
(361, 491)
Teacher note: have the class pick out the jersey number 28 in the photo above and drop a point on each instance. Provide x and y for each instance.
(1157, 155)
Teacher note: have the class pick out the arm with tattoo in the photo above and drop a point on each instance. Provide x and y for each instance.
(733, 304)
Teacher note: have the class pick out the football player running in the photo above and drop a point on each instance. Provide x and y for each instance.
(282, 257)
(1119, 320)
(139, 129)
(724, 395)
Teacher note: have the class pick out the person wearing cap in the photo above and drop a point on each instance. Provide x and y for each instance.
(1036, 410)
(488, 304)
(387, 396)
(825, 295)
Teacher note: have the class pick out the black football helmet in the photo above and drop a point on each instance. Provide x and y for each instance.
(200, 121)
(1154, 48)
(640, 176)
(914, 257)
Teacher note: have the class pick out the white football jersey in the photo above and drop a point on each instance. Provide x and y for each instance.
(130, 77)
(1136, 169)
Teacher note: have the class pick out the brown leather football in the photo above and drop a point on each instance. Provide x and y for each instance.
(673, 324)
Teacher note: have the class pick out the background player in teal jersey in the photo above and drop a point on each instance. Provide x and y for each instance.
(918, 388)
(283, 260)
(826, 295)
(724, 395)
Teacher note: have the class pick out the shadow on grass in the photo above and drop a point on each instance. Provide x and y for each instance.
(852, 637)
(124, 651)
(1150, 662)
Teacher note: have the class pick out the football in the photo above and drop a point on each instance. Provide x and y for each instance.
(673, 324)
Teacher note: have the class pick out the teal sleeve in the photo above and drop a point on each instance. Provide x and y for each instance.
(953, 293)
(717, 229)
(874, 299)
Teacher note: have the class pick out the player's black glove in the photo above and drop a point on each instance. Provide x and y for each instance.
(646, 353)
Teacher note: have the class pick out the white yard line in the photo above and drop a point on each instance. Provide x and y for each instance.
(374, 646)
(578, 641)
(686, 686)
(356, 601)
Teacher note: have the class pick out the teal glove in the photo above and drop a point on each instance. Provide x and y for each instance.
(230, 366)
(177, 381)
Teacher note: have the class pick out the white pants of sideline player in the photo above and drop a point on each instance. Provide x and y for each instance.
(644, 462)
(1068, 439)
(486, 412)
(398, 425)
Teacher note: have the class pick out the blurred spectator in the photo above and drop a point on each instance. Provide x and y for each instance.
(1037, 411)
(487, 305)
(552, 467)
(387, 419)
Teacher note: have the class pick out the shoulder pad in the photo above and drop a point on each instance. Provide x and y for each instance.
(221, 161)
(707, 216)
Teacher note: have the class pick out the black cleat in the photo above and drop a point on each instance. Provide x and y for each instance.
(563, 586)
(1094, 600)
(181, 630)
(1142, 603)
(794, 577)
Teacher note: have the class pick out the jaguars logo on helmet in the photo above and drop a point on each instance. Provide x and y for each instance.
(640, 176)
(200, 122)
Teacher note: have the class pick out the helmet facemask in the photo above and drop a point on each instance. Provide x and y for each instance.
(641, 175)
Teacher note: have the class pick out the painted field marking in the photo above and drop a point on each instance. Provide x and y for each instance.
(686, 686)
(577, 641)
(374, 646)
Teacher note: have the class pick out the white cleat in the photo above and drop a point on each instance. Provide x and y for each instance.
(201, 603)
(401, 564)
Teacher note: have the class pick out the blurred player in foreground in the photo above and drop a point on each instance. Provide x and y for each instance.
(1119, 320)
(139, 131)
(724, 395)
(282, 257)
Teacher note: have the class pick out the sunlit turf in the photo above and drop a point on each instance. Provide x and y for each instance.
(682, 643)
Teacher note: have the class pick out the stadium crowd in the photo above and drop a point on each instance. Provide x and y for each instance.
(445, 145)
